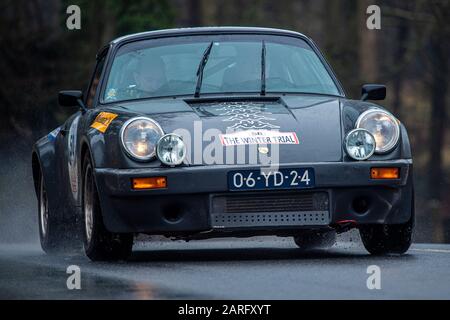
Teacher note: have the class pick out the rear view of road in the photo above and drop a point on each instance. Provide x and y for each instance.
(270, 268)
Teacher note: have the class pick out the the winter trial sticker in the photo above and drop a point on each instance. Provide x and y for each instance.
(258, 137)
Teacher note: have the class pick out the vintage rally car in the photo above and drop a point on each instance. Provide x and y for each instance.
(226, 131)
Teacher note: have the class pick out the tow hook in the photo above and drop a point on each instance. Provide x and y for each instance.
(345, 225)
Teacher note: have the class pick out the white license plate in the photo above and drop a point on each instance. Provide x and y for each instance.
(282, 179)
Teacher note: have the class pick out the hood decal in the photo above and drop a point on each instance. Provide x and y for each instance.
(244, 115)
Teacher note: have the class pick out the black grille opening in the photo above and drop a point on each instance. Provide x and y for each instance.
(254, 203)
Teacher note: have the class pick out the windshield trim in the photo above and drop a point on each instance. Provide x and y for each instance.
(115, 48)
(224, 95)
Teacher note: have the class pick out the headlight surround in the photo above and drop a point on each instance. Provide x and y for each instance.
(171, 149)
(139, 137)
(360, 144)
(383, 126)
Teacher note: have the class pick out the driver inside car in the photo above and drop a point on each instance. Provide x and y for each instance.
(150, 77)
(244, 74)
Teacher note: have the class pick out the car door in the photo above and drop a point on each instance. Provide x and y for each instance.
(73, 131)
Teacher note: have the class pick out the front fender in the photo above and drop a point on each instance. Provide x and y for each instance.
(352, 109)
(105, 148)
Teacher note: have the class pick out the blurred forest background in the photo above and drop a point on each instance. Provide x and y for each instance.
(410, 54)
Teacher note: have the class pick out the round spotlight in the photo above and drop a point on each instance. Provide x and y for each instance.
(171, 149)
(360, 144)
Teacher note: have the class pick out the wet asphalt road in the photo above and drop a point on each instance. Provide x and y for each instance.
(262, 268)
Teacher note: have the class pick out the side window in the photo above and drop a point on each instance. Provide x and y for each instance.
(95, 81)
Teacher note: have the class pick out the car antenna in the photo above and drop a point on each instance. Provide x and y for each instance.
(200, 69)
(263, 69)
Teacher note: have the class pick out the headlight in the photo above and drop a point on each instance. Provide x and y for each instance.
(139, 137)
(171, 150)
(383, 126)
(360, 144)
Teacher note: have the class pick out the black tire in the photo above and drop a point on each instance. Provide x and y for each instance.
(99, 243)
(52, 234)
(381, 239)
(312, 240)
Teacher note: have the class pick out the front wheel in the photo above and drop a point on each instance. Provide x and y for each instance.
(99, 243)
(381, 239)
(311, 240)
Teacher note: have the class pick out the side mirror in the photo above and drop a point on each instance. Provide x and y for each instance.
(373, 92)
(71, 98)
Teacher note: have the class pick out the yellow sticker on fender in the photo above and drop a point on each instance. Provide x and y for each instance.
(103, 120)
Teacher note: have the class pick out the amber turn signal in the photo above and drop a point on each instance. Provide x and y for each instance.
(149, 183)
(384, 173)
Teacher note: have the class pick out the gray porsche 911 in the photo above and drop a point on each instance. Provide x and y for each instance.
(226, 131)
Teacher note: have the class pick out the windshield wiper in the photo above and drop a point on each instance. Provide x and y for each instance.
(200, 69)
(263, 69)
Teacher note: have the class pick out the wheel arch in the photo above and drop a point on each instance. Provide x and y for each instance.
(44, 163)
(406, 146)
(85, 149)
(36, 170)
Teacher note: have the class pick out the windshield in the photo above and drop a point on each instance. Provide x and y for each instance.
(169, 67)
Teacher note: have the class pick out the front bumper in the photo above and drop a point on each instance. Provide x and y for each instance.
(186, 205)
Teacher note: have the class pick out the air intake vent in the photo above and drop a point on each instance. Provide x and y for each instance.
(276, 209)
(285, 202)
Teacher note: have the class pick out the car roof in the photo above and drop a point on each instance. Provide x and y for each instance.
(205, 30)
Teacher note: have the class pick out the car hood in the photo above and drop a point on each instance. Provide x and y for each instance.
(315, 120)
